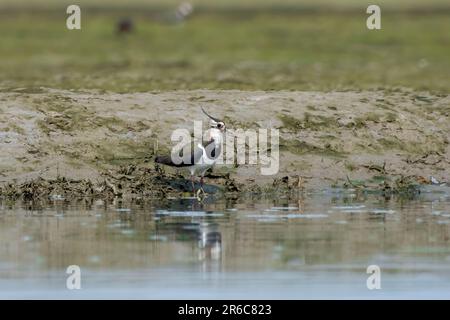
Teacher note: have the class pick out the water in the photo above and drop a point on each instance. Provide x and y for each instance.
(316, 246)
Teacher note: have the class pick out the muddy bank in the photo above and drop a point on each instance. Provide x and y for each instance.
(358, 139)
(140, 182)
(129, 182)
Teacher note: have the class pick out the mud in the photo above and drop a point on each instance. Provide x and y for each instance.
(145, 183)
(56, 142)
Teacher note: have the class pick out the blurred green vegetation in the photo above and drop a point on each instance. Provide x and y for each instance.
(229, 4)
(293, 51)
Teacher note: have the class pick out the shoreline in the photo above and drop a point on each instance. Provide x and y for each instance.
(144, 183)
(362, 138)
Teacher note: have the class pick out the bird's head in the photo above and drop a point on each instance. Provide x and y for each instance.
(215, 123)
(218, 125)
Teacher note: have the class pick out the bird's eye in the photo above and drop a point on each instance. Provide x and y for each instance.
(219, 125)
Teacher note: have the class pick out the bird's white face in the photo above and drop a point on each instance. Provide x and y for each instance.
(216, 132)
(221, 126)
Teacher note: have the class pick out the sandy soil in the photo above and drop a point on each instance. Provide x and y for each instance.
(324, 137)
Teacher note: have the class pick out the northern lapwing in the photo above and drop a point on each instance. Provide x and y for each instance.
(201, 156)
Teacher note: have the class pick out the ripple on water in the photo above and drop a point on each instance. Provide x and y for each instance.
(275, 217)
(117, 225)
(282, 209)
(348, 207)
(381, 211)
(128, 232)
(156, 237)
(94, 259)
(188, 213)
(361, 209)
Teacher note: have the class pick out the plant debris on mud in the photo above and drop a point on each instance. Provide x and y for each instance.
(149, 182)
(129, 180)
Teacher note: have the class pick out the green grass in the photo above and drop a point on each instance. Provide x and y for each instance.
(295, 51)
(231, 4)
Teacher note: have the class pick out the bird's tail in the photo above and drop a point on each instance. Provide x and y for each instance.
(164, 160)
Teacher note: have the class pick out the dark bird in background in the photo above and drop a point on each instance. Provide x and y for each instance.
(125, 26)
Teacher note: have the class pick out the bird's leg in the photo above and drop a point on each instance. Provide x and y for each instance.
(201, 191)
(201, 184)
(193, 184)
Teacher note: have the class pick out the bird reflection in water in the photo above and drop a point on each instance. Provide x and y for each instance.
(210, 247)
(198, 229)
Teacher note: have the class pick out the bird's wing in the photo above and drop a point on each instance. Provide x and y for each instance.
(196, 153)
(190, 154)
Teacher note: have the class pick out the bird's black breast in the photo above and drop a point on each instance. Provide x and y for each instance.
(212, 150)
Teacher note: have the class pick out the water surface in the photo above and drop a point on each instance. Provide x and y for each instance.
(315, 245)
